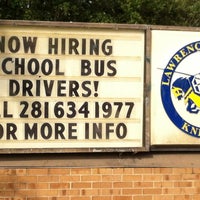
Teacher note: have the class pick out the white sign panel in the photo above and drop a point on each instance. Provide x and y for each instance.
(71, 88)
(175, 95)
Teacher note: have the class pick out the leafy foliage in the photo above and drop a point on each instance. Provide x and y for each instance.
(170, 12)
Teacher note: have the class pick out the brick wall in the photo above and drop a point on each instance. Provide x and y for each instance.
(100, 184)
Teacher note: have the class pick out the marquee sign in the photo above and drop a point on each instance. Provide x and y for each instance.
(71, 89)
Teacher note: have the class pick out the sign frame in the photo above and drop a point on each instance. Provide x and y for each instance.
(146, 90)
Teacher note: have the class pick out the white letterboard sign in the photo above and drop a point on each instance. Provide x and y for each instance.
(71, 88)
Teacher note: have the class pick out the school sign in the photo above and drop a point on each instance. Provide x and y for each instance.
(71, 88)
(77, 87)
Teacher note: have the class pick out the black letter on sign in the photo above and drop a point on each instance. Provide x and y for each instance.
(59, 129)
(14, 44)
(4, 62)
(112, 68)
(85, 68)
(109, 129)
(48, 133)
(1, 131)
(2, 44)
(107, 49)
(13, 91)
(121, 131)
(53, 46)
(27, 88)
(33, 66)
(31, 132)
(11, 129)
(5, 111)
(29, 44)
(86, 87)
(73, 88)
(71, 131)
(73, 45)
(48, 87)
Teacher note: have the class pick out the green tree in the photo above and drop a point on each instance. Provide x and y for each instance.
(170, 12)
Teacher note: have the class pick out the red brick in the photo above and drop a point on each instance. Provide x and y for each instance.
(163, 184)
(196, 197)
(183, 184)
(143, 198)
(36, 186)
(163, 197)
(132, 191)
(172, 177)
(19, 198)
(108, 191)
(27, 179)
(47, 193)
(143, 184)
(37, 198)
(81, 185)
(8, 179)
(190, 176)
(132, 178)
(7, 193)
(102, 198)
(80, 198)
(105, 171)
(111, 178)
(102, 185)
(37, 172)
(128, 171)
(21, 172)
(7, 186)
(7, 172)
(162, 171)
(182, 170)
(152, 177)
(25, 193)
(196, 183)
(122, 198)
(196, 170)
(95, 171)
(152, 191)
(90, 192)
(59, 185)
(59, 198)
(71, 178)
(142, 170)
(81, 171)
(122, 184)
(69, 192)
(59, 171)
(189, 190)
(48, 179)
(171, 191)
(91, 178)
(73, 192)
(118, 171)
(182, 197)
(19, 186)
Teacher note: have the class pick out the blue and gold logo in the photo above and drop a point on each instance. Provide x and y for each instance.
(180, 89)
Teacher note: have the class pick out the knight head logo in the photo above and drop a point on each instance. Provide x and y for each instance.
(189, 89)
(180, 89)
(177, 89)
